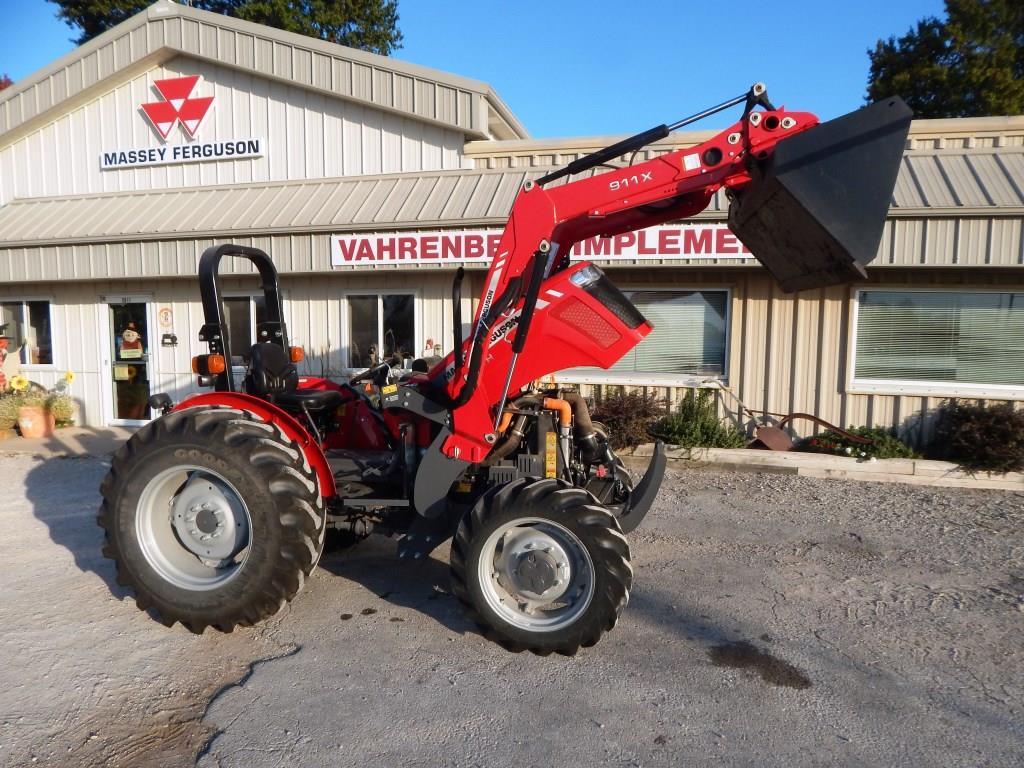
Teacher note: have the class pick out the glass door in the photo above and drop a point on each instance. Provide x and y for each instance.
(128, 358)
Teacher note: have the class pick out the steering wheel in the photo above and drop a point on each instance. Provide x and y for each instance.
(378, 374)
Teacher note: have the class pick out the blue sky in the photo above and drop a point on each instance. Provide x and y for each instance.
(575, 68)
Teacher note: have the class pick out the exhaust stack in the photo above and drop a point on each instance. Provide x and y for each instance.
(814, 212)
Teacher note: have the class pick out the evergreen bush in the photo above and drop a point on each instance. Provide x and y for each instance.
(696, 424)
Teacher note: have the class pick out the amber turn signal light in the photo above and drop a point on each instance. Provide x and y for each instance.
(296, 354)
(208, 365)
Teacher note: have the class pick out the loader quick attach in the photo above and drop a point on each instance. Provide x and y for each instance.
(217, 511)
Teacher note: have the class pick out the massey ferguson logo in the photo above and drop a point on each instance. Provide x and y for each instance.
(180, 106)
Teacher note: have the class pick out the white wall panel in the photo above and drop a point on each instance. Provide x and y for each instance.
(305, 134)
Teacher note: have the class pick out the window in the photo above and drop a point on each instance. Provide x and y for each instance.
(939, 341)
(28, 325)
(242, 314)
(689, 337)
(381, 326)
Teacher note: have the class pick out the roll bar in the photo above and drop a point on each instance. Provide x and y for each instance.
(215, 330)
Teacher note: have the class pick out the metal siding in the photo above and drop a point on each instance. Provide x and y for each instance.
(908, 241)
(304, 132)
(973, 242)
(1007, 242)
(778, 370)
(342, 77)
(383, 87)
(362, 82)
(403, 95)
(424, 95)
(940, 245)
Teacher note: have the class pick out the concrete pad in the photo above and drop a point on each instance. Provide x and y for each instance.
(942, 474)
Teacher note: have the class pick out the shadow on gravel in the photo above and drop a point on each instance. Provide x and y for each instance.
(721, 647)
(744, 655)
(64, 494)
(421, 585)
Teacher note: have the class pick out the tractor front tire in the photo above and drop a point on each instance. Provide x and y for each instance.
(213, 518)
(541, 566)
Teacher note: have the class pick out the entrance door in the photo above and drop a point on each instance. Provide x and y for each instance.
(126, 360)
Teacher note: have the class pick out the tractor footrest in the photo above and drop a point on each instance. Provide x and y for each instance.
(359, 466)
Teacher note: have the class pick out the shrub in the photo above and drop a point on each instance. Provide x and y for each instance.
(628, 416)
(695, 424)
(885, 444)
(9, 405)
(981, 437)
(62, 406)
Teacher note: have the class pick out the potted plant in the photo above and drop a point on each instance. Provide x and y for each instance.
(39, 410)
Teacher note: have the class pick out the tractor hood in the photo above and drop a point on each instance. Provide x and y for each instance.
(814, 212)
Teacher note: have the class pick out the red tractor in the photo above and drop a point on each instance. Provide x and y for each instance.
(217, 511)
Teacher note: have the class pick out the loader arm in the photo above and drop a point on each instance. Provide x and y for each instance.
(545, 222)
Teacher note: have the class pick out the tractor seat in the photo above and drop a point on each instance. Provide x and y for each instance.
(273, 377)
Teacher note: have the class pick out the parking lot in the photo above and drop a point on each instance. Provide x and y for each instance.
(775, 620)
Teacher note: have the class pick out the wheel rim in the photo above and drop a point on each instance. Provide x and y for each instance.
(536, 574)
(193, 528)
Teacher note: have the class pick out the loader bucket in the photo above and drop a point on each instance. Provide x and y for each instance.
(814, 212)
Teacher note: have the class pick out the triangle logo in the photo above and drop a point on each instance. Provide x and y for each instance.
(178, 106)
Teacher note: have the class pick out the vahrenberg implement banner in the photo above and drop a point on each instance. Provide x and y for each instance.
(696, 241)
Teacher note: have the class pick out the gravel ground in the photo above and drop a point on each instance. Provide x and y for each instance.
(774, 620)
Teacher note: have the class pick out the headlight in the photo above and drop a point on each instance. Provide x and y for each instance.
(586, 276)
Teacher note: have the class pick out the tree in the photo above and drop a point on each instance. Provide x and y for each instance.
(970, 64)
(5, 81)
(371, 25)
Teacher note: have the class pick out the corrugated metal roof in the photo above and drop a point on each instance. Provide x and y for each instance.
(168, 29)
(941, 182)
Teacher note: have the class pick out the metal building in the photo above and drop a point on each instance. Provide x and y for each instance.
(369, 180)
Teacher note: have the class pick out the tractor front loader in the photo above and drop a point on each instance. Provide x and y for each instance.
(217, 511)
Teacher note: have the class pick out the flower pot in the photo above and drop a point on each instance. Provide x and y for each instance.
(35, 421)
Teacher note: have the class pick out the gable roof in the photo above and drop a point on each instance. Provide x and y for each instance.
(167, 29)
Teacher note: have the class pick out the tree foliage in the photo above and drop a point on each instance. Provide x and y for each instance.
(5, 81)
(371, 25)
(970, 64)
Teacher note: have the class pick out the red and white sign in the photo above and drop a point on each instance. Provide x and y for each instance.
(479, 246)
(179, 106)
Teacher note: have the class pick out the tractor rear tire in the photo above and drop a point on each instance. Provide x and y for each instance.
(541, 566)
(213, 518)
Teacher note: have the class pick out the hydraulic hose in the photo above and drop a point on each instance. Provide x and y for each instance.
(515, 432)
(584, 432)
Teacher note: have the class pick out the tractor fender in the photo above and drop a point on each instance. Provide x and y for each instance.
(271, 414)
